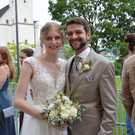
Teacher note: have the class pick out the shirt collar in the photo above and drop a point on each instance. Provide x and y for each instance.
(85, 53)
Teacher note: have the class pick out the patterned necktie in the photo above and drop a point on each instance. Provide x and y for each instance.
(74, 70)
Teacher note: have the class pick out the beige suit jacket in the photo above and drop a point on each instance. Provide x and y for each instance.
(92, 88)
(128, 85)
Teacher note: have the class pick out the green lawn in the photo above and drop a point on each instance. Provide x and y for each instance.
(121, 114)
(118, 82)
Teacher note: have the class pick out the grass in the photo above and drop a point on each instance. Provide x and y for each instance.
(118, 82)
(121, 114)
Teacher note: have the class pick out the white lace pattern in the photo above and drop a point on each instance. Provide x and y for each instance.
(42, 83)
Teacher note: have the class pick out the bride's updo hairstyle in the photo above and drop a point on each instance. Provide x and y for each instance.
(130, 39)
(45, 29)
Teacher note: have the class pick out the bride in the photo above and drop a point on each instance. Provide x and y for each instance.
(46, 74)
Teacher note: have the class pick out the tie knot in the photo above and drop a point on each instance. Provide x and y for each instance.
(77, 58)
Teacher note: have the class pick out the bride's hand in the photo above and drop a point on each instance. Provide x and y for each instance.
(54, 126)
(42, 117)
(62, 127)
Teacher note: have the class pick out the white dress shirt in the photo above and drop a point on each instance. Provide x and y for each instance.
(85, 53)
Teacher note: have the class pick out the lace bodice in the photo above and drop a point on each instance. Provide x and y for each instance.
(42, 83)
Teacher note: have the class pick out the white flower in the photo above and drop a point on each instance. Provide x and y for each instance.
(58, 97)
(65, 98)
(53, 113)
(68, 102)
(62, 107)
(67, 106)
(65, 113)
(58, 101)
(50, 106)
(86, 67)
(73, 111)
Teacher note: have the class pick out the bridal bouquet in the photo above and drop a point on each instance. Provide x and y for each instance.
(61, 109)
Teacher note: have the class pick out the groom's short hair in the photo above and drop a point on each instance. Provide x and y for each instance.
(79, 20)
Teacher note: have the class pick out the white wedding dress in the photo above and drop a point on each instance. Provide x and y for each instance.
(43, 87)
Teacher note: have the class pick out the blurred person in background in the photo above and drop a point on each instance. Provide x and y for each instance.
(7, 72)
(128, 83)
(24, 53)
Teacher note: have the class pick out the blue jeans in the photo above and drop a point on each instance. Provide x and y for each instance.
(129, 126)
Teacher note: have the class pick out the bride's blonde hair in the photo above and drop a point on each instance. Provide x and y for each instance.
(45, 29)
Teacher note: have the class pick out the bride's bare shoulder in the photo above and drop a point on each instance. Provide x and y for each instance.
(38, 57)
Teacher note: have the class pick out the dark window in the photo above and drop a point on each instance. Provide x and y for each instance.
(7, 21)
(24, 1)
(25, 20)
(26, 41)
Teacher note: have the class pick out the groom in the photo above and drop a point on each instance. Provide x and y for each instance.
(92, 84)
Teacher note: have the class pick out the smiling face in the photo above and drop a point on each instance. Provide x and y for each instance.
(22, 57)
(53, 41)
(77, 37)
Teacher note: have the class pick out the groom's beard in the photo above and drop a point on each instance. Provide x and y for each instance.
(82, 44)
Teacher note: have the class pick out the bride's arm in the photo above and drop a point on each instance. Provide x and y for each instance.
(19, 101)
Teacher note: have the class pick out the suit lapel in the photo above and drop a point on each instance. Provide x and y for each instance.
(78, 79)
(80, 76)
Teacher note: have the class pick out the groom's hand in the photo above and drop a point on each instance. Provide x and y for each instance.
(100, 108)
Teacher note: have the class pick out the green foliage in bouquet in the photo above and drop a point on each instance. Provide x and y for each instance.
(61, 109)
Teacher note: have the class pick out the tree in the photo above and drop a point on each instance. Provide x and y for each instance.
(109, 20)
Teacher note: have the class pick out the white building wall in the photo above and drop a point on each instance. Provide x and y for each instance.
(26, 32)
(5, 34)
(25, 10)
(25, 29)
(6, 16)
